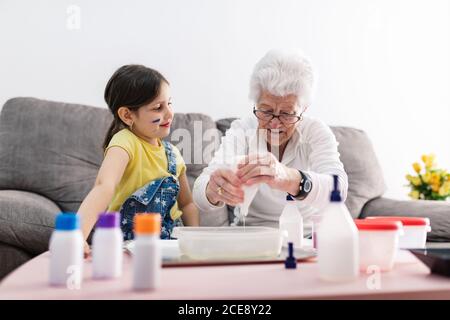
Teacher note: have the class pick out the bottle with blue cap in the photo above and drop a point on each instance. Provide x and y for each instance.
(66, 252)
(337, 243)
(291, 223)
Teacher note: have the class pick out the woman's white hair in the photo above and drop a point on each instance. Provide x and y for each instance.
(282, 73)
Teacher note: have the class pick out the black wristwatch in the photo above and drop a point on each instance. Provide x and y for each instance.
(305, 186)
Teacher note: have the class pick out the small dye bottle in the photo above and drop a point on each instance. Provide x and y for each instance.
(107, 247)
(66, 251)
(147, 258)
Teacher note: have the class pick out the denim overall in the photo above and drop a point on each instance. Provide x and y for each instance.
(157, 196)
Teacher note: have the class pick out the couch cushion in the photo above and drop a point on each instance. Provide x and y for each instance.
(26, 220)
(365, 178)
(51, 148)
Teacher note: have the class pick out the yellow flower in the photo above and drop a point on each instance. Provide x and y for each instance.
(417, 167)
(446, 187)
(435, 187)
(428, 160)
(442, 191)
(432, 157)
(424, 158)
(426, 177)
(414, 194)
(435, 178)
(416, 181)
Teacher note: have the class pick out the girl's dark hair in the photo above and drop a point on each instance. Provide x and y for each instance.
(131, 86)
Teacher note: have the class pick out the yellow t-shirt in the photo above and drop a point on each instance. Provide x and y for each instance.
(147, 163)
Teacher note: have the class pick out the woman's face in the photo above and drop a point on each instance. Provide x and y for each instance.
(154, 119)
(278, 133)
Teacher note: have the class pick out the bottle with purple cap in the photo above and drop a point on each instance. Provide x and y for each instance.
(107, 247)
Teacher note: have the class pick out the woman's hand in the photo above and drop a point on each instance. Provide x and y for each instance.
(224, 186)
(265, 168)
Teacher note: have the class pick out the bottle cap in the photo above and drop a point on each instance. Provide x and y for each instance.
(289, 198)
(147, 223)
(67, 221)
(335, 194)
(406, 221)
(108, 220)
(291, 262)
(377, 225)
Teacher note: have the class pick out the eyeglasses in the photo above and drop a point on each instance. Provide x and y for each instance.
(283, 117)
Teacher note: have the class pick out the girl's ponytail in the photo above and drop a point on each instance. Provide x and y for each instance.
(115, 127)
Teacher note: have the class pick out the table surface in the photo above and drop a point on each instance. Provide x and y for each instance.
(409, 279)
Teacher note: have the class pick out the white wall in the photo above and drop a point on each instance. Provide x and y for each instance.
(382, 65)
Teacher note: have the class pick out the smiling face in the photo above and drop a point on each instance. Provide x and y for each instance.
(151, 121)
(278, 133)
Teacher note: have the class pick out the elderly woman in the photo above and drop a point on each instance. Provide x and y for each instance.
(298, 155)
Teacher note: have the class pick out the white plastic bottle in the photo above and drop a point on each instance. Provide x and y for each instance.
(147, 259)
(338, 247)
(291, 221)
(107, 247)
(66, 252)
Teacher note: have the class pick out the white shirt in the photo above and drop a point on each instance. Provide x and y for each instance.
(311, 149)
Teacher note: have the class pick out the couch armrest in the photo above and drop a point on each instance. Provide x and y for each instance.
(437, 211)
(27, 220)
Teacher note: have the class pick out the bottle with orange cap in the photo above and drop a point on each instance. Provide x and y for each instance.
(147, 259)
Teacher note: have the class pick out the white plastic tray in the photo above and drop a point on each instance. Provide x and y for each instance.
(169, 249)
(203, 243)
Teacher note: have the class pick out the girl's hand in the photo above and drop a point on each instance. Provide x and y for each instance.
(265, 168)
(190, 215)
(87, 250)
(224, 186)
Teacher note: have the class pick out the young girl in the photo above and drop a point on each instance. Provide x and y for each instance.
(140, 172)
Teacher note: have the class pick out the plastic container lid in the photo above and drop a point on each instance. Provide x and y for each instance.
(67, 221)
(377, 225)
(147, 223)
(108, 220)
(406, 221)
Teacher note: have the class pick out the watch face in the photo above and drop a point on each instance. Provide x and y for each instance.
(307, 186)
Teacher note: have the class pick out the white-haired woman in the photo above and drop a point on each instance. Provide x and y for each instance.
(298, 157)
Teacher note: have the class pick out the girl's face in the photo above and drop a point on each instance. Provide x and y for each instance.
(153, 120)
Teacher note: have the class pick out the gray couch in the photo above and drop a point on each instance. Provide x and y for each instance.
(50, 153)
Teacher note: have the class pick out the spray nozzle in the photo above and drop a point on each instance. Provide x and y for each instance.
(335, 194)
